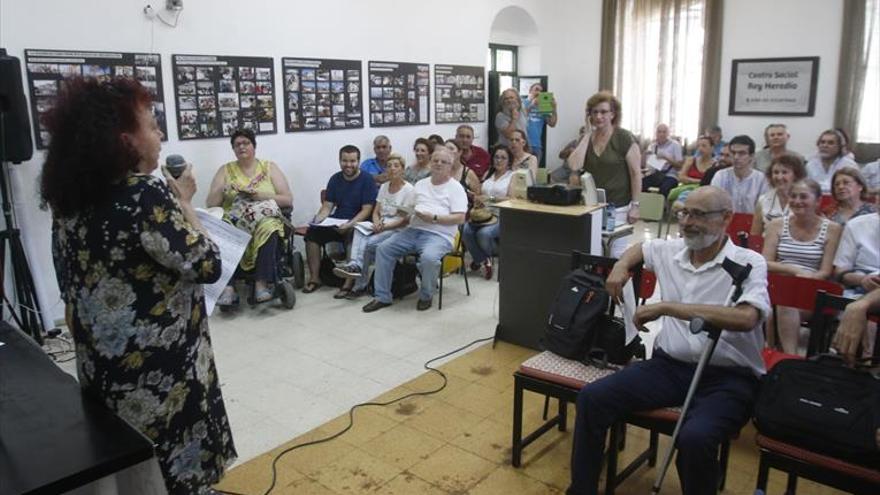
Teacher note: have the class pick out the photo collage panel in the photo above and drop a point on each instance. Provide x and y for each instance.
(216, 95)
(322, 94)
(47, 70)
(460, 93)
(399, 94)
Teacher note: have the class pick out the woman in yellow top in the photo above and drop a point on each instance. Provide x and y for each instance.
(245, 185)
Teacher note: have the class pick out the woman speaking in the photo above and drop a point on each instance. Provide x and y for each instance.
(131, 256)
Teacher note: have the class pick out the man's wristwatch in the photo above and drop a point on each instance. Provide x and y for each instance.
(435, 218)
(634, 203)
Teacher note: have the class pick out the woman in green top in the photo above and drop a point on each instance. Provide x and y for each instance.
(251, 180)
(611, 154)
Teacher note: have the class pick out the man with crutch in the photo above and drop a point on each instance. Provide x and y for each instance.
(694, 284)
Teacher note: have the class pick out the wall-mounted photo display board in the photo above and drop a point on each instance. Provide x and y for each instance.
(774, 86)
(46, 69)
(460, 94)
(215, 95)
(322, 94)
(399, 94)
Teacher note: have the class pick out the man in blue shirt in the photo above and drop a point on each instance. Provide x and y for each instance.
(350, 196)
(536, 121)
(376, 166)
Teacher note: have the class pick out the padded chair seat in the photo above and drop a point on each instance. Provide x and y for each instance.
(561, 371)
(807, 456)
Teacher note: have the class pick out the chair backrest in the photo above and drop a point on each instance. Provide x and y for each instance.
(741, 222)
(824, 322)
(798, 292)
(602, 265)
(648, 283)
(827, 204)
(541, 176)
(755, 242)
(651, 206)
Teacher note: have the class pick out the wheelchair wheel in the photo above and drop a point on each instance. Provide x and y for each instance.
(288, 294)
(299, 271)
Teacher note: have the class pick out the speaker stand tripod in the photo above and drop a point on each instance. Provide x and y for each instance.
(24, 310)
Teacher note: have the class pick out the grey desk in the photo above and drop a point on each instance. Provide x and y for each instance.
(535, 253)
(52, 438)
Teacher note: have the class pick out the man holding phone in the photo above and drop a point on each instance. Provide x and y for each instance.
(537, 119)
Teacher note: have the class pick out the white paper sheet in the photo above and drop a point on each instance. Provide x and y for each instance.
(232, 243)
(629, 310)
(329, 222)
(365, 228)
(654, 162)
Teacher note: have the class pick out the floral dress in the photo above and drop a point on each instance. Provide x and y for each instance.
(130, 272)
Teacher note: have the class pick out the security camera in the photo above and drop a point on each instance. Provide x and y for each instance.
(174, 4)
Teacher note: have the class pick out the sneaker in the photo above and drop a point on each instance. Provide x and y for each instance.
(487, 271)
(474, 266)
(349, 270)
(422, 305)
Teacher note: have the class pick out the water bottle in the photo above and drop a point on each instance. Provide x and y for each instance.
(609, 217)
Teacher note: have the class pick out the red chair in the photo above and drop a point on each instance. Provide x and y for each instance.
(799, 293)
(827, 205)
(755, 242)
(741, 223)
(646, 288)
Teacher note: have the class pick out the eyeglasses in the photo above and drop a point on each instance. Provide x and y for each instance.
(696, 214)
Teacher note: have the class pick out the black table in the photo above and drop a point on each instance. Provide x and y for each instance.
(52, 438)
(535, 253)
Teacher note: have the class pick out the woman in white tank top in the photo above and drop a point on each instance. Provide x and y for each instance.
(801, 244)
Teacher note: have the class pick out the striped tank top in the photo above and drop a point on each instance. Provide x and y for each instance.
(805, 254)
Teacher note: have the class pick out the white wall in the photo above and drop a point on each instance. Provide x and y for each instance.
(451, 32)
(783, 28)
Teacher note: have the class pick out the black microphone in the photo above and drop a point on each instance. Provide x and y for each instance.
(175, 164)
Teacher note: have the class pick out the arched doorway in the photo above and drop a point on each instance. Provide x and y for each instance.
(514, 54)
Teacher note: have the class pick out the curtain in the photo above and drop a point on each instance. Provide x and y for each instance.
(661, 58)
(859, 39)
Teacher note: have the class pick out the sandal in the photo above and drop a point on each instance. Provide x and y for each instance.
(228, 297)
(263, 295)
(342, 294)
(311, 287)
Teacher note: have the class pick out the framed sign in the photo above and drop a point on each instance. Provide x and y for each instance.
(774, 86)
(399, 94)
(218, 94)
(46, 69)
(460, 93)
(322, 94)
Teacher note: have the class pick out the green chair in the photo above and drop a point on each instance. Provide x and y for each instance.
(651, 207)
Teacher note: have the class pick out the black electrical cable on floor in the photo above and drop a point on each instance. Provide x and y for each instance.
(363, 404)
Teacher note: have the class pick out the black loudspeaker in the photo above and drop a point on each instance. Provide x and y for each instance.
(16, 123)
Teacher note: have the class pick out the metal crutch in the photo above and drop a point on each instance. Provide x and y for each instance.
(739, 274)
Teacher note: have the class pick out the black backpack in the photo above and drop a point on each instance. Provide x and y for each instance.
(822, 405)
(582, 327)
(404, 281)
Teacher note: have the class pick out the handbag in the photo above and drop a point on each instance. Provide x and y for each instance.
(482, 216)
(246, 214)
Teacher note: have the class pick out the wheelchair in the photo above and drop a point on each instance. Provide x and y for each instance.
(289, 276)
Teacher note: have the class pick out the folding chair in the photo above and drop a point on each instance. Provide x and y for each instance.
(755, 242)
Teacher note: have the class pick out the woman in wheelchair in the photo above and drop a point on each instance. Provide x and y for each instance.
(252, 193)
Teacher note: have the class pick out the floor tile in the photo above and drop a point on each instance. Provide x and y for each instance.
(453, 469)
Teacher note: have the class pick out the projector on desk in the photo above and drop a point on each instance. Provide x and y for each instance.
(555, 195)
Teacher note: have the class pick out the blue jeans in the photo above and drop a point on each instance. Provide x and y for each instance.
(366, 255)
(430, 247)
(721, 406)
(482, 242)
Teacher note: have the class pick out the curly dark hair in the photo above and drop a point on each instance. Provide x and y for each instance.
(245, 133)
(86, 151)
